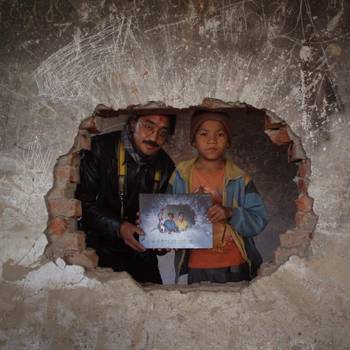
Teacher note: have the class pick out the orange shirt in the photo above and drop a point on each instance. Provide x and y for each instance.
(230, 255)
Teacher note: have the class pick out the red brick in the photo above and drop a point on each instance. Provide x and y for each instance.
(304, 168)
(64, 207)
(282, 254)
(299, 218)
(302, 185)
(279, 136)
(67, 173)
(61, 191)
(306, 221)
(210, 102)
(296, 152)
(71, 159)
(272, 123)
(82, 141)
(111, 124)
(59, 225)
(304, 203)
(292, 239)
(74, 241)
(89, 124)
(87, 258)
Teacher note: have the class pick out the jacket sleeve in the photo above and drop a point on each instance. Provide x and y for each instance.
(95, 219)
(249, 218)
(176, 184)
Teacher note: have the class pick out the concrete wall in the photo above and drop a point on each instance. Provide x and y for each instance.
(60, 59)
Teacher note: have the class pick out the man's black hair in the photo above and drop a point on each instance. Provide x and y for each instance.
(135, 115)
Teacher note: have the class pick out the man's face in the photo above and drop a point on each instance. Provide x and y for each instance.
(150, 132)
(171, 216)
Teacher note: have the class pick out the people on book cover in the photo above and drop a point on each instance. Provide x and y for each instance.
(170, 224)
(181, 222)
(238, 212)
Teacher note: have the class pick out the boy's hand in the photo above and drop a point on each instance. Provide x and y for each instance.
(127, 234)
(218, 213)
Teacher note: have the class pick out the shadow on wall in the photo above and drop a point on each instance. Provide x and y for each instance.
(263, 145)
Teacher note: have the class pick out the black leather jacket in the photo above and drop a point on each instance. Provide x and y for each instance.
(99, 194)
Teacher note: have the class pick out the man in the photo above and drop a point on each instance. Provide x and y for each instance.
(119, 167)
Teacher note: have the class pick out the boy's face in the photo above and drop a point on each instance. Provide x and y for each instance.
(171, 216)
(211, 140)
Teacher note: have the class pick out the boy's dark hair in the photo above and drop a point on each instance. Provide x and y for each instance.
(202, 115)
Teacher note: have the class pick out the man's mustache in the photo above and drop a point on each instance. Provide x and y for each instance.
(151, 143)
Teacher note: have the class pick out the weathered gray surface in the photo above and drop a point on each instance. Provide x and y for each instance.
(60, 59)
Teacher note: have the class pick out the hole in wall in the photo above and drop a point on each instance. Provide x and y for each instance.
(263, 145)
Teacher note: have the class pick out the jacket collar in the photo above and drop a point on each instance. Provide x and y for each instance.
(232, 171)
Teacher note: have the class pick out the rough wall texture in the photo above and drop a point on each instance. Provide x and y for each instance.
(60, 59)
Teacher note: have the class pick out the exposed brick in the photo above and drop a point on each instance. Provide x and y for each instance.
(65, 244)
(293, 239)
(61, 190)
(210, 102)
(71, 159)
(296, 152)
(83, 140)
(279, 136)
(306, 221)
(304, 168)
(64, 207)
(54, 250)
(89, 125)
(111, 124)
(283, 254)
(87, 258)
(66, 173)
(104, 111)
(304, 203)
(74, 241)
(299, 218)
(59, 225)
(302, 184)
(272, 123)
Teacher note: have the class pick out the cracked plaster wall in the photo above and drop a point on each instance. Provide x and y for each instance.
(60, 59)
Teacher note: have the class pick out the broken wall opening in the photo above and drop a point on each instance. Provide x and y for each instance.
(263, 145)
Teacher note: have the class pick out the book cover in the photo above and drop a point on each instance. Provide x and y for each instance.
(175, 221)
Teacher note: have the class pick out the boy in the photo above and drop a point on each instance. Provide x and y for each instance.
(170, 224)
(181, 222)
(238, 212)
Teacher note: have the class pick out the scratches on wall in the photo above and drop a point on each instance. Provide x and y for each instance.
(236, 50)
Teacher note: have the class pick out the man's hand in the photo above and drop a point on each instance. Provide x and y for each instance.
(218, 213)
(127, 234)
